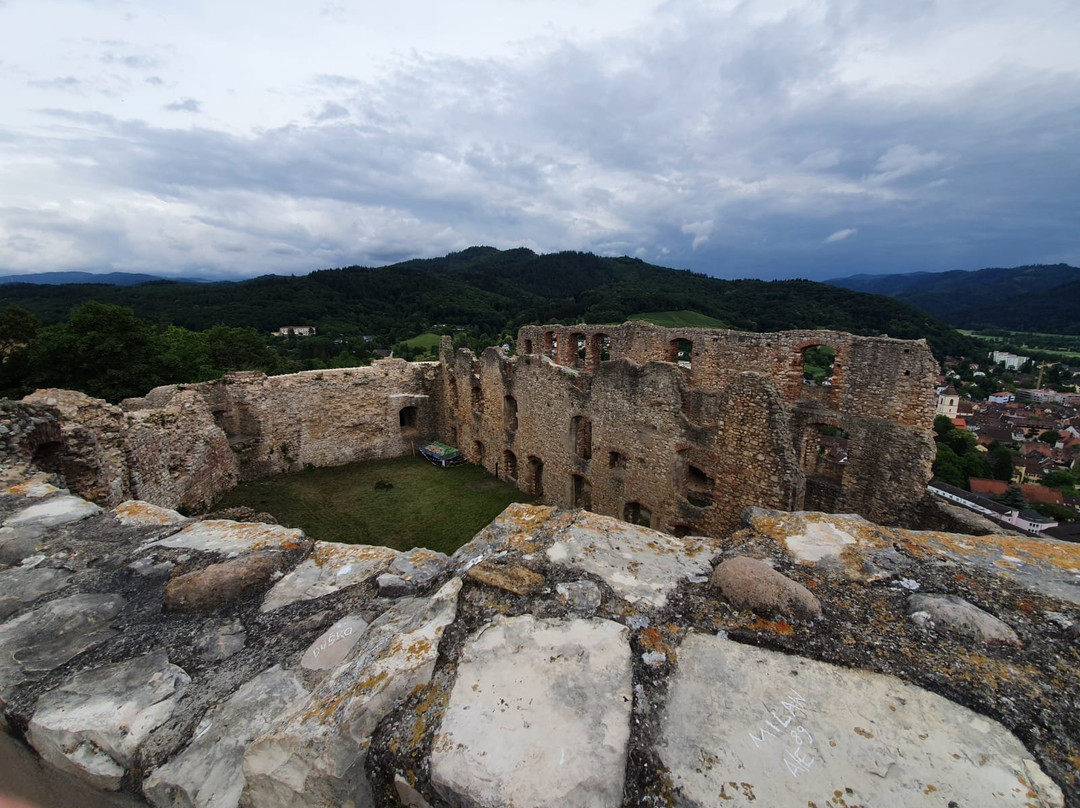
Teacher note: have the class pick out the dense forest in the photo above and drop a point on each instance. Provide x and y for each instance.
(115, 341)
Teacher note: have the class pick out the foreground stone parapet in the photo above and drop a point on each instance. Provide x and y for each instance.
(93, 724)
(540, 716)
(332, 567)
(800, 732)
(957, 615)
(638, 563)
(752, 584)
(1045, 565)
(222, 536)
(221, 583)
(47, 637)
(137, 513)
(52, 512)
(615, 675)
(208, 773)
(315, 755)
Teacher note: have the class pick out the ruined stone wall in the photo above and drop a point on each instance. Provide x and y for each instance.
(276, 424)
(627, 425)
(890, 378)
(182, 446)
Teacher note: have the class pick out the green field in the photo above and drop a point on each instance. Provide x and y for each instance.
(679, 319)
(1061, 346)
(427, 506)
(426, 341)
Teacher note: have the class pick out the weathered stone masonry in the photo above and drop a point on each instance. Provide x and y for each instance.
(683, 429)
(182, 446)
(680, 430)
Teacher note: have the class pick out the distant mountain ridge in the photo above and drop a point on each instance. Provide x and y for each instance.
(107, 278)
(1028, 298)
(483, 291)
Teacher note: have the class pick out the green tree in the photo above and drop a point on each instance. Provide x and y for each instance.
(240, 349)
(1013, 497)
(948, 467)
(1000, 463)
(17, 329)
(1050, 436)
(1064, 480)
(186, 356)
(103, 350)
(943, 425)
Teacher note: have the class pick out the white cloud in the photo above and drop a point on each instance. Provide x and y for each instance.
(724, 137)
(699, 230)
(841, 235)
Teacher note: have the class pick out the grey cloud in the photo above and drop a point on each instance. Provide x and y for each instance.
(156, 81)
(133, 61)
(65, 83)
(332, 112)
(714, 145)
(184, 105)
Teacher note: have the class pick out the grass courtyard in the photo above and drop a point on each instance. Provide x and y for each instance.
(425, 506)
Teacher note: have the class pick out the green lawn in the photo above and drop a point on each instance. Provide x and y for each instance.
(426, 341)
(427, 507)
(679, 319)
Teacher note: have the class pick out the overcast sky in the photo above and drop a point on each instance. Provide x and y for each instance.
(767, 138)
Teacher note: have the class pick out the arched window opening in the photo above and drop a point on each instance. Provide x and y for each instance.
(528, 346)
(577, 342)
(818, 365)
(536, 476)
(510, 464)
(681, 531)
(409, 420)
(603, 347)
(681, 352)
(699, 487)
(478, 452)
(637, 514)
(582, 492)
(551, 344)
(49, 457)
(581, 436)
(616, 460)
(510, 413)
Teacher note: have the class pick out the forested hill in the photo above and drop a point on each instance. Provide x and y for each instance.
(1029, 298)
(490, 292)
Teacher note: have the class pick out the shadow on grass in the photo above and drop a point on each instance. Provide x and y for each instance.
(424, 506)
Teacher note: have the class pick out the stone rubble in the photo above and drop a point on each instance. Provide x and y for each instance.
(558, 658)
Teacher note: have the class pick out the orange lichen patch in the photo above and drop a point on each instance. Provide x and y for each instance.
(1015, 549)
(335, 556)
(143, 513)
(429, 709)
(510, 577)
(862, 732)
(778, 626)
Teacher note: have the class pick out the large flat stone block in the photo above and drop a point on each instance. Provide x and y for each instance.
(745, 726)
(539, 716)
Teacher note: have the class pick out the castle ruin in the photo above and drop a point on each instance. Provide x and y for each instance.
(676, 429)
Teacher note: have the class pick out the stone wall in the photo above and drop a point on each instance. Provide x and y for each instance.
(276, 424)
(181, 446)
(684, 429)
(680, 430)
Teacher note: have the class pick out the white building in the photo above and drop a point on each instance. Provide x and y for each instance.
(948, 402)
(1010, 360)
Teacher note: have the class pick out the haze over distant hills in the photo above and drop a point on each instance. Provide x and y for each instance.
(1044, 298)
(109, 278)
